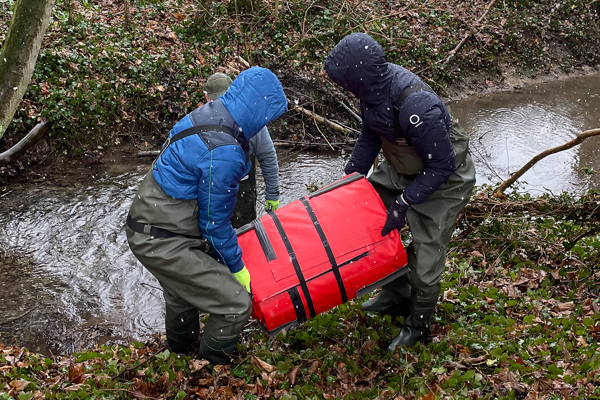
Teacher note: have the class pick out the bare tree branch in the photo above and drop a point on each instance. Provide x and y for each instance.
(18, 149)
(580, 138)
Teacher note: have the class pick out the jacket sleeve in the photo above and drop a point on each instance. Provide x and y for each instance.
(365, 151)
(427, 131)
(222, 169)
(267, 157)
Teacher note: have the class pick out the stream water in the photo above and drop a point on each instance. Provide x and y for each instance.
(68, 279)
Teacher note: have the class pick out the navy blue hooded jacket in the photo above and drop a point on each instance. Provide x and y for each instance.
(358, 64)
(209, 165)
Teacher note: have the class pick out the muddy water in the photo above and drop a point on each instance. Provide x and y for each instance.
(68, 280)
(509, 129)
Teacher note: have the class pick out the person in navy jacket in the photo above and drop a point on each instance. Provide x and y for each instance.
(183, 208)
(427, 176)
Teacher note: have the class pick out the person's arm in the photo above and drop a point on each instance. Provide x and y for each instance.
(267, 157)
(365, 151)
(222, 168)
(427, 131)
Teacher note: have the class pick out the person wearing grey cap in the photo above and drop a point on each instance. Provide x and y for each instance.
(261, 148)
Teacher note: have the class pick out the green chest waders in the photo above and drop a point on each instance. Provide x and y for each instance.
(170, 246)
(431, 224)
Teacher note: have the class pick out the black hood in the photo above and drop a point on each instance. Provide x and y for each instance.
(358, 64)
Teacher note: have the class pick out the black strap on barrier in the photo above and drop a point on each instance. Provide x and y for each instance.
(325, 242)
(290, 250)
(298, 306)
(263, 239)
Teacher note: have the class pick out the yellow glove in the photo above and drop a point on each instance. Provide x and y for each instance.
(272, 205)
(243, 277)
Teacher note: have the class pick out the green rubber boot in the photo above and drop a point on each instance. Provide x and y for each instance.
(183, 332)
(416, 326)
(217, 352)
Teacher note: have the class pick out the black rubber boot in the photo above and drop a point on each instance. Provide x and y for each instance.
(416, 326)
(393, 298)
(217, 352)
(184, 333)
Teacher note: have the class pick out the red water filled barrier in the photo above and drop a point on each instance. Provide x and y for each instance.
(318, 252)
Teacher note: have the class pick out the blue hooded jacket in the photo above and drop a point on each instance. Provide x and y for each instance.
(358, 64)
(208, 166)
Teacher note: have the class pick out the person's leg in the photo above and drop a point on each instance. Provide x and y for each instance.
(431, 224)
(182, 323)
(194, 281)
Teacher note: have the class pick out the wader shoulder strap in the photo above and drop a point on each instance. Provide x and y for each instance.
(399, 136)
(194, 130)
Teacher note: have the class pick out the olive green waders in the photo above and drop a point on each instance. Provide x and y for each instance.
(431, 224)
(192, 281)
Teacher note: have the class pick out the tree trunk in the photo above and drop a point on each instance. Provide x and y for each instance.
(19, 54)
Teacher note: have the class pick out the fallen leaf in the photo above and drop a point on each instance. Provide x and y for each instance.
(76, 373)
(315, 366)
(292, 375)
(569, 306)
(262, 365)
(74, 388)
(197, 365)
(368, 346)
(19, 385)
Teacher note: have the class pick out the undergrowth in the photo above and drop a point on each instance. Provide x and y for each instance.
(102, 81)
(519, 318)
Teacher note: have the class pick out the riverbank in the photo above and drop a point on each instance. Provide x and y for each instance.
(104, 80)
(519, 318)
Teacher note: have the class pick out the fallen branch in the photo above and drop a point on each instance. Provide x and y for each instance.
(148, 153)
(18, 149)
(293, 143)
(580, 138)
(317, 117)
(351, 111)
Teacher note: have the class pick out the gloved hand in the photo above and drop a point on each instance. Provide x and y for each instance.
(396, 218)
(243, 277)
(271, 205)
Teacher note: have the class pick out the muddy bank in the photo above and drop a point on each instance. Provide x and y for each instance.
(510, 80)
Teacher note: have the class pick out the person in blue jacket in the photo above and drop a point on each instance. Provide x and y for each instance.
(182, 211)
(260, 148)
(427, 176)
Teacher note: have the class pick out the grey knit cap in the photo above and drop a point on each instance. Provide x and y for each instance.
(216, 85)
